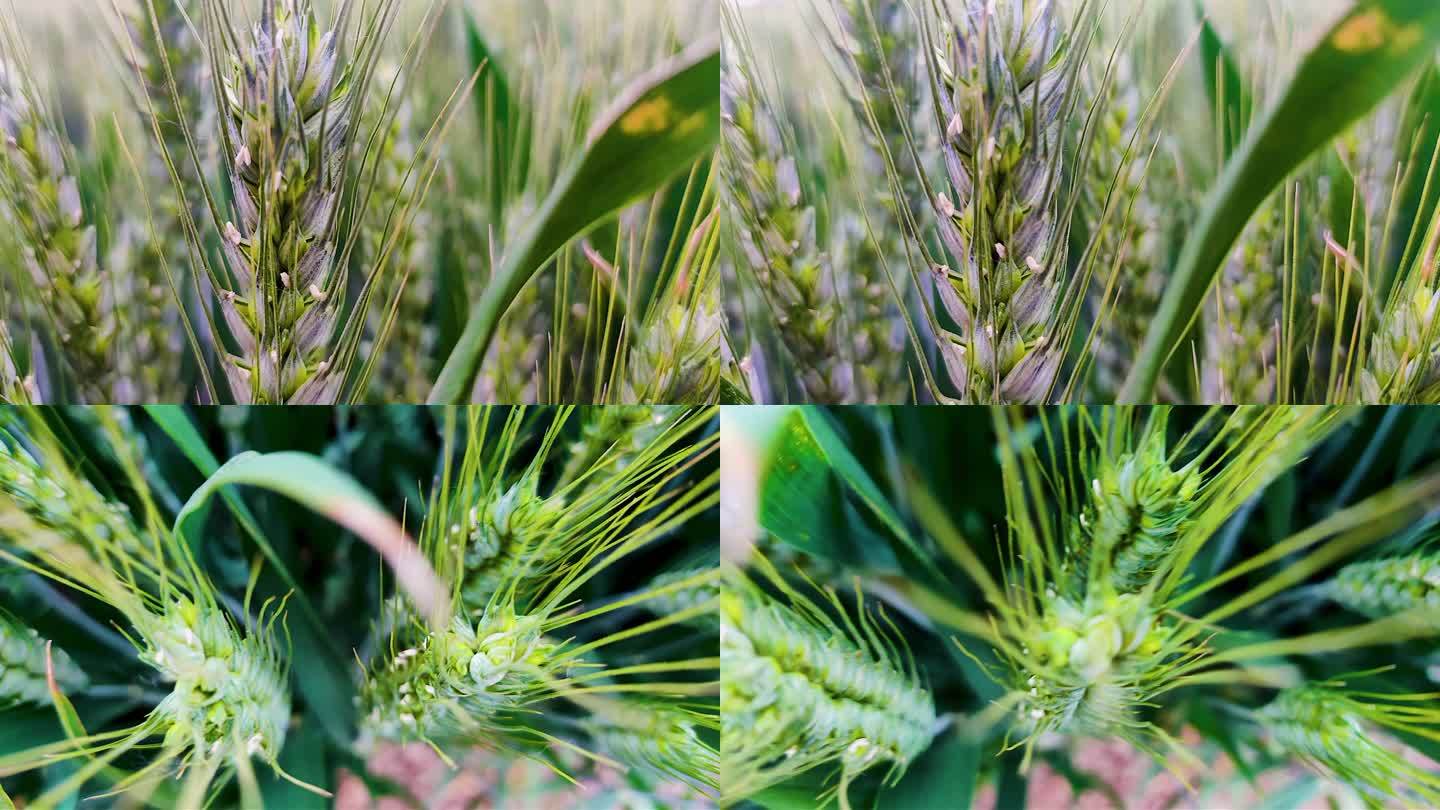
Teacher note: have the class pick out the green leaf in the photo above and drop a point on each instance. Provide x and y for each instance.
(1417, 138)
(319, 666)
(800, 502)
(329, 492)
(950, 768)
(1230, 97)
(732, 394)
(305, 758)
(663, 124)
(1370, 50)
(501, 122)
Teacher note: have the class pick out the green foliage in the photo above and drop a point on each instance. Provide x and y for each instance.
(297, 202)
(205, 617)
(1073, 576)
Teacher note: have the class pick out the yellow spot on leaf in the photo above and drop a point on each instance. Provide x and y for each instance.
(649, 117)
(1373, 30)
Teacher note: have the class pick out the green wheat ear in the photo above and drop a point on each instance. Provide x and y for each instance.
(23, 666)
(802, 689)
(1333, 731)
(1389, 586)
(229, 698)
(520, 640)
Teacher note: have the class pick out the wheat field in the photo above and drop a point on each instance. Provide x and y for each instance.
(740, 404)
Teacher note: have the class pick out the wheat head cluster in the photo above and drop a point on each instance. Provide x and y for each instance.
(378, 376)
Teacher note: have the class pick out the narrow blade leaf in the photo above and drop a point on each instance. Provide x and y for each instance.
(666, 121)
(339, 497)
(1373, 47)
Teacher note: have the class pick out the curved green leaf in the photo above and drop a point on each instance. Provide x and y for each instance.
(663, 124)
(336, 495)
(1371, 49)
(319, 667)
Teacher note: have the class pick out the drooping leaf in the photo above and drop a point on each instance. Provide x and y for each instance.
(1373, 46)
(336, 495)
(663, 124)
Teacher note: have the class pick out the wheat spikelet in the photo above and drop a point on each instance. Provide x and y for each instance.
(1138, 507)
(229, 700)
(776, 235)
(58, 237)
(1242, 322)
(1133, 205)
(674, 360)
(67, 503)
(660, 738)
(612, 436)
(1403, 363)
(876, 53)
(685, 598)
(405, 375)
(287, 114)
(23, 666)
(1389, 586)
(451, 683)
(162, 48)
(1003, 89)
(506, 535)
(1333, 732)
(230, 690)
(799, 692)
